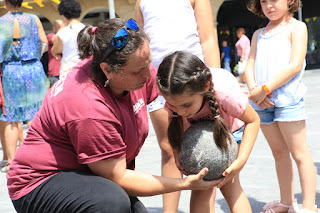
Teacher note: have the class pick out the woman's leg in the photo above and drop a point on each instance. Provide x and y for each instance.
(20, 128)
(159, 120)
(235, 197)
(78, 191)
(295, 136)
(11, 138)
(3, 143)
(283, 163)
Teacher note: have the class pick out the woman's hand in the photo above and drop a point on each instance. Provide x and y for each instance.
(231, 172)
(196, 182)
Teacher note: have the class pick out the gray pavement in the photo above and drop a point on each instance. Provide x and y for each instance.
(258, 177)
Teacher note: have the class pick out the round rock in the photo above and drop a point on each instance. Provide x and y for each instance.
(199, 150)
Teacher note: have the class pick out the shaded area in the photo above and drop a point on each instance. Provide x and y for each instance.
(317, 164)
(159, 210)
(255, 204)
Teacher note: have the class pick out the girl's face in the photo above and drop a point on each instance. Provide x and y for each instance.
(185, 105)
(275, 9)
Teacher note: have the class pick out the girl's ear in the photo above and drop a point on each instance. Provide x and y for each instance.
(207, 87)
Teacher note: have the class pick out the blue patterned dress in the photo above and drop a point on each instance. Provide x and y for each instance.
(23, 77)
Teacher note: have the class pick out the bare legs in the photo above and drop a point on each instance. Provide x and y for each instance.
(287, 138)
(232, 192)
(160, 124)
(159, 120)
(3, 144)
(11, 137)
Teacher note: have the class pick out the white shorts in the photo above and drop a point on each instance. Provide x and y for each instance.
(241, 66)
(157, 104)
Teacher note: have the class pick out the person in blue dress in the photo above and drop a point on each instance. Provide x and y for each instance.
(225, 55)
(23, 78)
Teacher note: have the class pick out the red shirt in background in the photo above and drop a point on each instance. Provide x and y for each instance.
(53, 64)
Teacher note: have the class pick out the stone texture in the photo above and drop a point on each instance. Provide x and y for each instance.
(198, 150)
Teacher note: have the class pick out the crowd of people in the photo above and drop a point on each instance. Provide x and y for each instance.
(105, 80)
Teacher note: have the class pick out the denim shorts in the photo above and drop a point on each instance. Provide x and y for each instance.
(238, 134)
(290, 113)
(157, 104)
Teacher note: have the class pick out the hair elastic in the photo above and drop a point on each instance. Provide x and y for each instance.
(93, 30)
(217, 116)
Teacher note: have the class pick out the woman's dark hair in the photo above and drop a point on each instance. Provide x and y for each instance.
(180, 73)
(69, 8)
(15, 3)
(96, 43)
(255, 7)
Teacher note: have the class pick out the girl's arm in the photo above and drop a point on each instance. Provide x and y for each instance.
(57, 46)
(299, 42)
(141, 184)
(138, 15)
(207, 33)
(42, 34)
(252, 124)
(249, 71)
(249, 75)
(299, 39)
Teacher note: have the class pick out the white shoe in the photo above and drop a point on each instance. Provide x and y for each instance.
(308, 211)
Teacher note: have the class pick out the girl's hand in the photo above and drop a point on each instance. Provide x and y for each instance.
(257, 95)
(266, 103)
(196, 182)
(177, 161)
(231, 172)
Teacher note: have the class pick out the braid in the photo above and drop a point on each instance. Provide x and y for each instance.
(220, 128)
(175, 132)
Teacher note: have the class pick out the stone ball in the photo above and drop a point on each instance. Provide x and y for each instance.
(199, 150)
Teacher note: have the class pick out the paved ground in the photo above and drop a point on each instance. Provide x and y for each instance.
(258, 177)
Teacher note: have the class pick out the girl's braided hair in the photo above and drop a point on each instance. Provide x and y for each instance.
(182, 72)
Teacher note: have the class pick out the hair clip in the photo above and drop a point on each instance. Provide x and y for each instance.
(93, 30)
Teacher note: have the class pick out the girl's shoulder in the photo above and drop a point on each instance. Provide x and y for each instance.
(298, 25)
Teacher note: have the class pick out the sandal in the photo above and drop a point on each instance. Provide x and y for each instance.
(6, 168)
(294, 208)
(268, 208)
(4, 163)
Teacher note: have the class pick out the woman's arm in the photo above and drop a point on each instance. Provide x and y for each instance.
(207, 33)
(141, 184)
(252, 124)
(138, 15)
(57, 46)
(42, 34)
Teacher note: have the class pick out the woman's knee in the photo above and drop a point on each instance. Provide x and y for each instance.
(119, 203)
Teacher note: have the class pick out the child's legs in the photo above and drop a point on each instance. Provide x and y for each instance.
(201, 199)
(159, 120)
(235, 196)
(283, 162)
(295, 136)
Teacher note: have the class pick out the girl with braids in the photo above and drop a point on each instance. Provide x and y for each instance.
(90, 129)
(194, 93)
